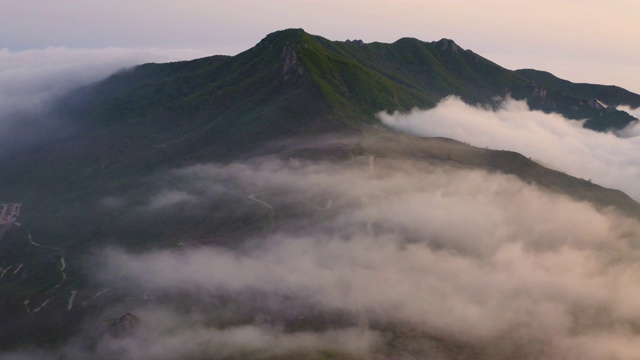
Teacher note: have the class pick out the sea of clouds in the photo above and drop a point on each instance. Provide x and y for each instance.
(471, 263)
(607, 159)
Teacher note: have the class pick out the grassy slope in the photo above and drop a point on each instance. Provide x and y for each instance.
(215, 105)
(347, 82)
(216, 108)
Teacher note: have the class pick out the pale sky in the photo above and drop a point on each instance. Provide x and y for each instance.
(579, 40)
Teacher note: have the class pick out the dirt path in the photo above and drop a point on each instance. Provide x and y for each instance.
(71, 297)
(95, 296)
(267, 205)
(18, 269)
(63, 266)
(5, 270)
(253, 197)
(41, 306)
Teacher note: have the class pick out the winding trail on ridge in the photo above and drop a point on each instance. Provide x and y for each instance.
(41, 306)
(253, 197)
(71, 297)
(18, 269)
(5, 270)
(63, 265)
(265, 204)
(95, 296)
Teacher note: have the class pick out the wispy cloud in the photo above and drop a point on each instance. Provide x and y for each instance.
(31, 79)
(461, 255)
(168, 334)
(169, 198)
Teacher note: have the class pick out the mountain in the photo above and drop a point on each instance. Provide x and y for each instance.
(289, 83)
(294, 97)
(294, 82)
(596, 103)
(290, 70)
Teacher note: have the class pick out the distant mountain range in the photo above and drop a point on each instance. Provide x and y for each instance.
(291, 85)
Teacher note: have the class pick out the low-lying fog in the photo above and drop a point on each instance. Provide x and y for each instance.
(550, 139)
(30, 80)
(378, 257)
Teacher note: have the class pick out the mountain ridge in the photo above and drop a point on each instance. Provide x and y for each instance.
(290, 84)
(356, 79)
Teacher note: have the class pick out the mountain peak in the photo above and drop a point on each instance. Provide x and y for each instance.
(286, 35)
(444, 44)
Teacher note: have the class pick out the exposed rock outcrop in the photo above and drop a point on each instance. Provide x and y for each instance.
(291, 66)
(358, 43)
(445, 44)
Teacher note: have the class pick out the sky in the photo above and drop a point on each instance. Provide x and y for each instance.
(582, 41)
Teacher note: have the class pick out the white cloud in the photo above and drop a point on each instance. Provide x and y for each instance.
(461, 255)
(552, 140)
(31, 79)
(164, 333)
(169, 198)
(167, 334)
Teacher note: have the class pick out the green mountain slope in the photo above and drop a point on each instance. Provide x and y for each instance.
(290, 80)
(354, 78)
(291, 83)
(295, 82)
(220, 108)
